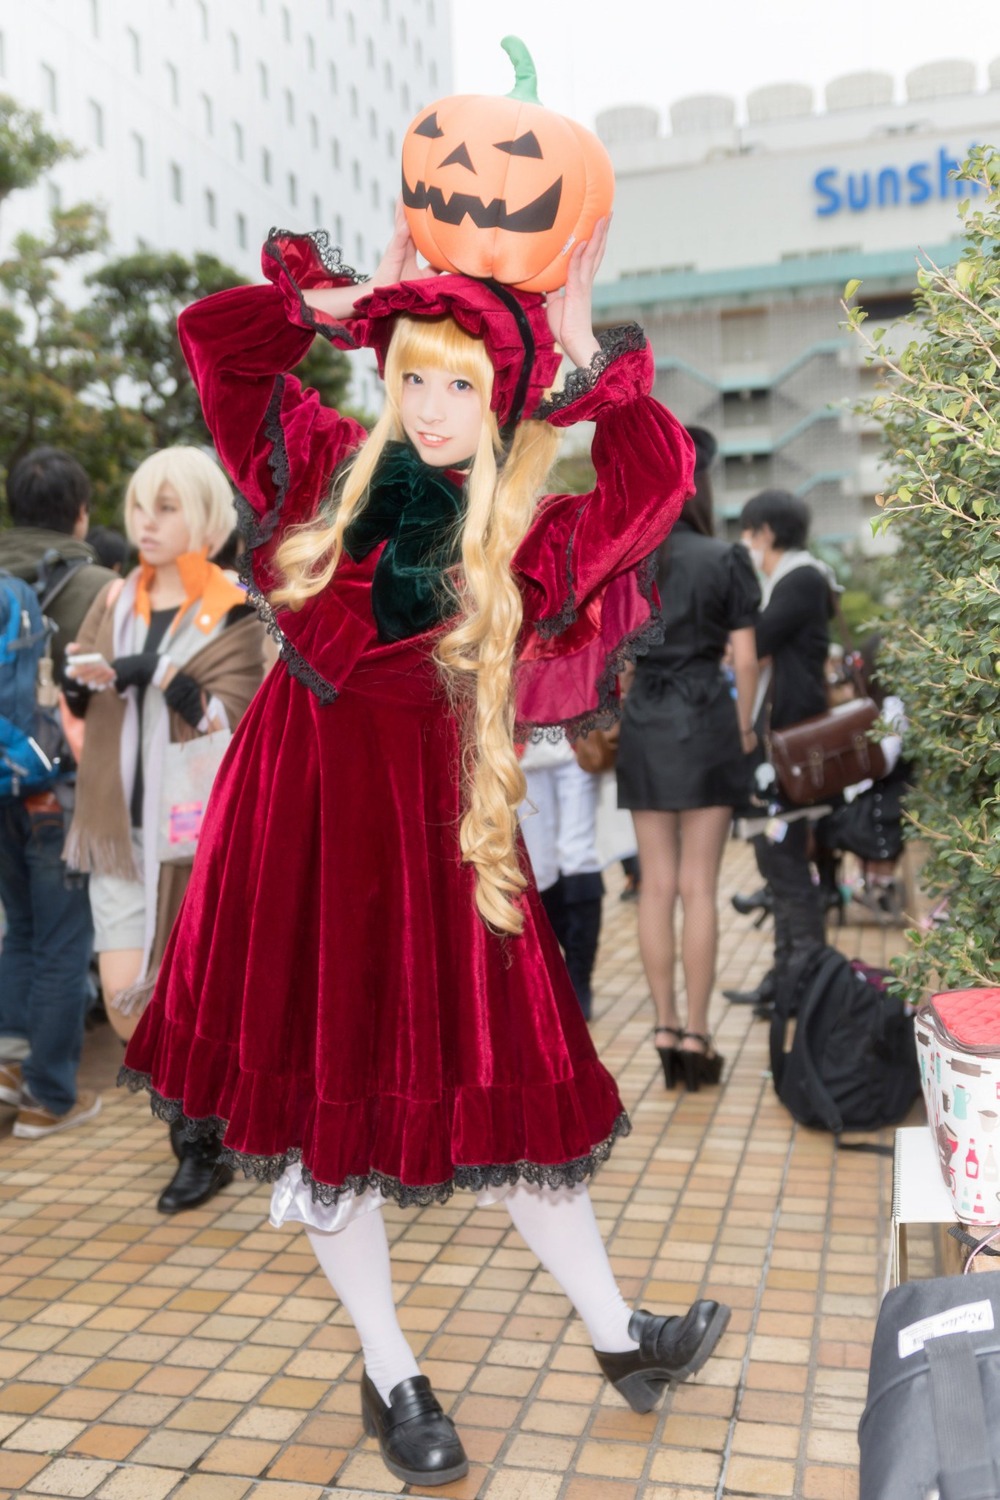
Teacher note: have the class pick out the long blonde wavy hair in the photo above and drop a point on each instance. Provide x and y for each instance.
(476, 656)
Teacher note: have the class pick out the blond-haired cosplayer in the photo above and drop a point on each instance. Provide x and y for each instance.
(362, 999)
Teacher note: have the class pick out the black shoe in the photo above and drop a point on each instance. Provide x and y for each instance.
(670, 1349)
(762, 901)
(199, 1176)
(762, 995)
(419, 1443)
(764, 1010)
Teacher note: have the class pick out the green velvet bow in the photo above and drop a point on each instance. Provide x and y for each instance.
(417, 512)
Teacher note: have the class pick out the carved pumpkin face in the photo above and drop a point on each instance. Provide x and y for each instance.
(503, 187)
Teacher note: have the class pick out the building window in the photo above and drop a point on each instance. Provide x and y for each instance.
(262, 79)
(373, 124)
(404, 95)
(55, 198)
(376, 194)
(202, 9)
(338, 229)
(210, 208)
(207, 114)
(352, 30)
(238, 143)
(50, 89)
(432, 73)
(241, 231)
(234, 51)
(311, 53)
(313, 132)
(293, 189)
(370, 52)
(265, 164)
(418, 52)
(95, 18)
(356, 174)
(135, 48)
(390, 143)
(359, 249)
(333, 77)
(402, 30)
(335, 152)
(173, 84)
(286, 23)
(353, 97)
(138, 154)
(430, 12)
(330, 8)
(95, 118)
(385, 10)
(289, 106)
(176, 183)
(317, 210)
(387, 74)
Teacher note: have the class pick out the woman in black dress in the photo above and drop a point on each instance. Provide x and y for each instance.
(682, 765)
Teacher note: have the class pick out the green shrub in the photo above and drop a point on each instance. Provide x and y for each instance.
(941, 416)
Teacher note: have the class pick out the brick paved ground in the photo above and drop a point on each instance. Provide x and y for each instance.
(204, 1357)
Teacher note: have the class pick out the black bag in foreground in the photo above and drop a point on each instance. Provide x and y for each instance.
(853, 1060)
(931, 1424)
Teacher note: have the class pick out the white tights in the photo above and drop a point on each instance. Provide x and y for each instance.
(558, 1225)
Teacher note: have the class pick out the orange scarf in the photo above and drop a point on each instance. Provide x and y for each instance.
(204, 584)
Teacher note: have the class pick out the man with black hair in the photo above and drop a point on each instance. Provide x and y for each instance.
(49, 932)
(793, 640)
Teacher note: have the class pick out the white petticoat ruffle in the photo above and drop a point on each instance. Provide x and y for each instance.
(292, 1202)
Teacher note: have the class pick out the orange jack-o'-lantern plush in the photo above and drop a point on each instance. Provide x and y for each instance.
(503, 187)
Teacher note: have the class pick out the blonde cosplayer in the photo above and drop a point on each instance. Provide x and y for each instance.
(201, 487)
(477, 654)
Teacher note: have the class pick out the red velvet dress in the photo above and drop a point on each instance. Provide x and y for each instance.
(330, 994)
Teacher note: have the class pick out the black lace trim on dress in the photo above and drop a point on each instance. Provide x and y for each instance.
(471, 1179)
(608, 709)
(257, 532)
(627, 338)
(329, 254)
(556, 624)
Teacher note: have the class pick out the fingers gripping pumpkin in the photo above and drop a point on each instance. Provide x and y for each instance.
(503, 187)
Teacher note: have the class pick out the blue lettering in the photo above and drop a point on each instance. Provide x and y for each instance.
(823, 183)
(888, 187)
(858, 191)
(916, 176)
(946, 165)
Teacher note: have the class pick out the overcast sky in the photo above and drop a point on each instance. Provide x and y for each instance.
(594, 53)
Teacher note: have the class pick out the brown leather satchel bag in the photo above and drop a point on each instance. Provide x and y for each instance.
(821, 756)
(597, 750)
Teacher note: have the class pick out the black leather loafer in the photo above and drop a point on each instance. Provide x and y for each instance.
(670, 1350)
(198, 1178)
(419, 1443)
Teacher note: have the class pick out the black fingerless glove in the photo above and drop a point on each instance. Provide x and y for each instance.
(135, 671)
(183, 695)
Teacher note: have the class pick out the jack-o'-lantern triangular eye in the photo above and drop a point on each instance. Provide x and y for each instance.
(429, 126)
(525, 145)
(459, 158)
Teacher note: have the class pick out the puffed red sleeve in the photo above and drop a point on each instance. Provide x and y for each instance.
(278, 443)
(586, 566)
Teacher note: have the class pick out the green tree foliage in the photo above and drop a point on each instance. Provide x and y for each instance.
(941, 416)
(27, 150)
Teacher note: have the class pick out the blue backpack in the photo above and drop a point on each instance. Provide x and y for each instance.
(33, 751)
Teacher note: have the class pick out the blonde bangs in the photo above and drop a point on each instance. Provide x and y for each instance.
(437, 343)
(202, 488)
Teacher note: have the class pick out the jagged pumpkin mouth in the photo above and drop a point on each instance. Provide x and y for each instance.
(534, 218)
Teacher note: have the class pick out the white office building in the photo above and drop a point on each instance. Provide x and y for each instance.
(205, 122)
(733, 243)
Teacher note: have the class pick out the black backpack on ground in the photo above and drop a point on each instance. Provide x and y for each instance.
(853, 1059)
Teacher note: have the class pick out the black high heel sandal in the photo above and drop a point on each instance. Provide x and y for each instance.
(418, 1442)
(700, 1067)
(670, 1350)
(669, 1056)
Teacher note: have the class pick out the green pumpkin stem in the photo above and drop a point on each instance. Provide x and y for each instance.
(525, 77)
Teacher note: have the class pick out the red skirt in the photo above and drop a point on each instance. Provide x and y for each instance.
(330, 994)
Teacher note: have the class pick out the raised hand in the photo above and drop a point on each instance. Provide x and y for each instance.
(399, 262)
(570, 312)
